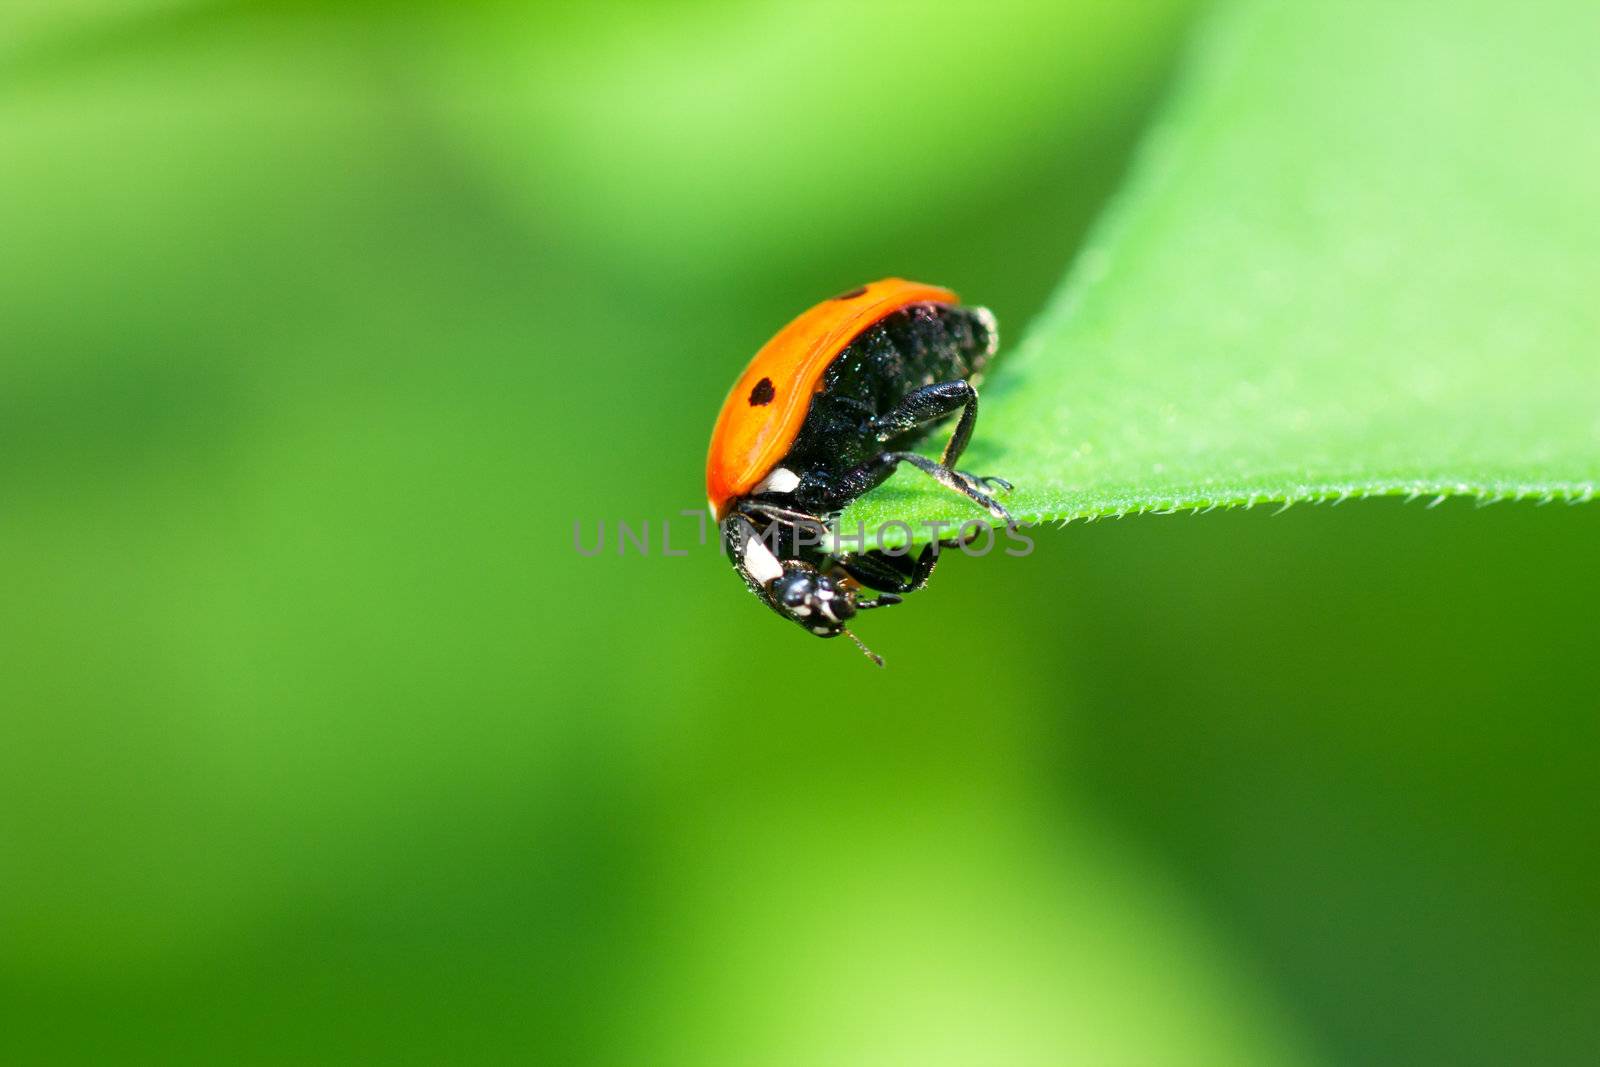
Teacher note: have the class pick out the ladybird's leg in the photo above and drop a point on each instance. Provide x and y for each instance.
(876, 571)
(839, 490)
(775, 513)
(892, 574)
(964, 484)
(927, 404)
(931, 402)
(898, 576)
(802, 530)
(866, 576)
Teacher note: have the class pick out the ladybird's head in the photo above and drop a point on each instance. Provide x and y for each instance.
(813, 600)
(795, 590)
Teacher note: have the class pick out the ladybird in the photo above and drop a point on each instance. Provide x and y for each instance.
(824, 413)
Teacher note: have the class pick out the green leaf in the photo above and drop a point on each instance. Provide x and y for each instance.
(1359, 255)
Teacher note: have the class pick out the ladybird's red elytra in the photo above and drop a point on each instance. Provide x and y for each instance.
(750, 437)
(825, 412)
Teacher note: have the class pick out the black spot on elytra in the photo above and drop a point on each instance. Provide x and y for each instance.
(762, 394)
(852, 294)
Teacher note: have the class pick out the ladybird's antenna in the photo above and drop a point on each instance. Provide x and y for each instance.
(873, 656)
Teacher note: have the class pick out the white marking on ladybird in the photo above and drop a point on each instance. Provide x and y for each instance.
(759, 561)
(822, 629)
(991, 324)
(781, 480)
(802, 610)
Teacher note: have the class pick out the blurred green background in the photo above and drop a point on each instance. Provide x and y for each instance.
(323, 323)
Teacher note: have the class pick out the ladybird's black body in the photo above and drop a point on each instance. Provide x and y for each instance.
(879, 397)
(938, 349)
